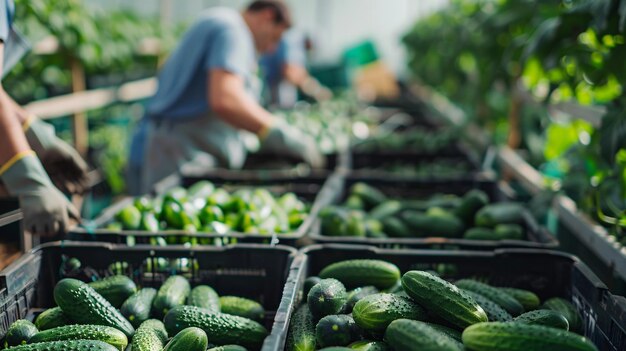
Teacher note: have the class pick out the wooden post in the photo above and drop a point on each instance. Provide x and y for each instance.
(80, 129)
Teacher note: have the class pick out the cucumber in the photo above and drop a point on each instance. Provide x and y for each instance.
(479, 233)
(239, 306)
(368, 345)
(409, 335)
(499, 213)
(188, 339)
(385, 209)
(495, 313)
(371, 196)
(354, 202)
(548, 318)
(67, 345)
(138, 306)
(228, 348)
(357, 294)
(394, 227)
(515, 336)
(116, 289)
(158, 327)
(106, 334)
(529, 300)
(452, 333)
(471, 202)
(494, 294)
(51, 318)
(82, 304)
(204, 296)
(336, 348)
(509, 231)
(301, 336)
(147, 338)
(435, 223)
(327, 297)
(130, 217)
(19, 333)
(172, 293)
(335, 330)
(374, 312)
(309, 283)
(443, 299)
(221, 328)
(357, 273)
(568, 311)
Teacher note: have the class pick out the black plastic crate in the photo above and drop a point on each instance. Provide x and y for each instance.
(537, 235)
(545, 272)
(265, 274)
(308, 189)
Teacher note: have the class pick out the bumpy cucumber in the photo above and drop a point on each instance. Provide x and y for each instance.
(242, 307)
(335, 330)
(356, 295)
(495, 313)
(19, 333)
(528, 299)
(67, 345)
(106, 334)
(568, 311)
(188, 339)
(301, 336)
(172, 293)
(358, 273)
(409, 335)
(116, 289)
(148, 338)
(548, 318)
(51, 318)
(137, 307)
(204, 296)
(375, 312)
(327, 297)
(368, 345)
(506, 301)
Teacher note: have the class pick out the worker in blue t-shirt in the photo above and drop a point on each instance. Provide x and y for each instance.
(284, 72)
(207, 97)
(30, 150)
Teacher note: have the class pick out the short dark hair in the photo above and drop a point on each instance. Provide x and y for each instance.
(280, 9)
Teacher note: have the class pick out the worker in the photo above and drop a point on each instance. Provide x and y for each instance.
(29, 148)
(207, 97)
(284, 72)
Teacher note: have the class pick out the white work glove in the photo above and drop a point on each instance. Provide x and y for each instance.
(64, 165)
(46, 210)
(284, 139)
(317, 91)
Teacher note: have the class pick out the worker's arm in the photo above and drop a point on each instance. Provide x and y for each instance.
(230, 101)
(299, 76)
(12, 139)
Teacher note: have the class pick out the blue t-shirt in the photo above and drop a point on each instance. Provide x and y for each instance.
(219, 39)
(14, 45)
(290, 50)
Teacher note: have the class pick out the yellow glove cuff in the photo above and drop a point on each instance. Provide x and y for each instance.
(15, 158)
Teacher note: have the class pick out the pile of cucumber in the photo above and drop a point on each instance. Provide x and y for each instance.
(112, 314)
(368, 305)
(440, 168)
(416, 139)
(205, 208)
(368, 212)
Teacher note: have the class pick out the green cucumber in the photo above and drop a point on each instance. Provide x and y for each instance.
(371, 196)
(138, 306)
(354, 202)
(435, 222)
(158, 327)
(51, 318)
(495, 313)
(188, 339)
(509, 231)
(452, 333)
(242, 307)
(358, 273)
(443, 298)
(309, 283)
(221, 328)
(116, 289)
(375, 312)
(357, 294)
(67, 345)
(106, 334)
(471, 202)
(394, 227)
(385, 209)
(82, 304)
(480, 233)
(568, 311)
(548, 318)
(204, 296)
(148, 338)
(409, 335)
(327, 297)
(499, 213)
(336, 348)
(335, 330)
(513, 336)
(171, 294)
(130, 217)
(494, 294)
(368, 345)
(528, 299)
(301, 336)
(19, 333)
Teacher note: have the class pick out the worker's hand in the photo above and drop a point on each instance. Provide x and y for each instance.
(64, 165)
(317, 91)
(281, 138)
(46, 210)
